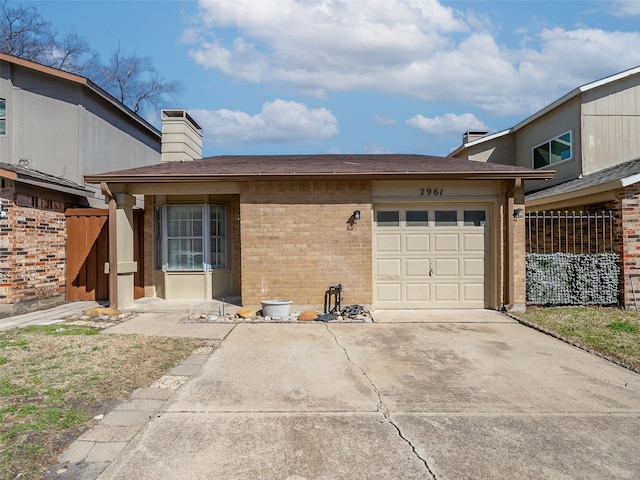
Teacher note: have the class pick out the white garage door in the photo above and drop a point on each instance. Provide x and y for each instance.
(429, 257)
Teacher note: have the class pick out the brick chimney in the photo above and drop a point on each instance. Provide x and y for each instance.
(181, 137)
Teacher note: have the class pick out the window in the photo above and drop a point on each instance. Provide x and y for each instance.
(417, 218)
(474, 218)
(191, 237)
(184, 237)
(388, 218)
(218, 235)
(446, 218)
(552, 152)
(3, 116)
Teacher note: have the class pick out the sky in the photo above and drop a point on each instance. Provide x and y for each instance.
(359, 76)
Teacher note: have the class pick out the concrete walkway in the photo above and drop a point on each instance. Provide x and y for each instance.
(46, 317)
(458, 396)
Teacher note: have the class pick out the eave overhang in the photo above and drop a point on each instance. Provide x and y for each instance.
(253, 177)
(575, 196)
(80, 192)
(45, 181)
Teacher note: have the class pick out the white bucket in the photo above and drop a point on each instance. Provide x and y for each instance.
(276, 308)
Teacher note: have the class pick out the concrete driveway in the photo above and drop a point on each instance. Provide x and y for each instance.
(457, 395)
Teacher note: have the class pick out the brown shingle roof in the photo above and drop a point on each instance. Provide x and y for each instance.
(254, 167)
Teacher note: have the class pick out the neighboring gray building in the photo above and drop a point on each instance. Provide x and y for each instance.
(56, 127)
(66, 126)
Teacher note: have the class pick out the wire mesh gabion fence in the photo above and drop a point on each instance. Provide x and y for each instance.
(571, 259)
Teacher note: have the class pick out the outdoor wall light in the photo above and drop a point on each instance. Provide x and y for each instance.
(356, 214)
(518, 213)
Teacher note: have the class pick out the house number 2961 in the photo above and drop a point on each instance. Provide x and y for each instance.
(431, 192)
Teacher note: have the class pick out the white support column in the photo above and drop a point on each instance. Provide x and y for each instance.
(127, 267)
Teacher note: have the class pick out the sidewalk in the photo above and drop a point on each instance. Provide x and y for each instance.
(46, 317)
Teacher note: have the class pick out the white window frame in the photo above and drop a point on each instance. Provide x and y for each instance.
(3, 117)
(549, 143)
(162, 238)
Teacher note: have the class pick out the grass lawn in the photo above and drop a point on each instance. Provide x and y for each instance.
(55, 379)
(611, 332)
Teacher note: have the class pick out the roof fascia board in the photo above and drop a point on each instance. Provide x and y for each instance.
(72, 77)
(630, 180)
(8, 174)
(535, 175)
(58, 188)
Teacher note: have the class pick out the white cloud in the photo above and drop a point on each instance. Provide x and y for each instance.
(416, 48)
(447, 125)
(279, 121)
(624, 8)
(382, 120)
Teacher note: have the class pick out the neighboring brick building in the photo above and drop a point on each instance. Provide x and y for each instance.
(33, 237)
(397, 231)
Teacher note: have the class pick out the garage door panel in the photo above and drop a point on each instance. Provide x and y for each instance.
(417, 243)
(417, 292)
(389, 268)
(473, 292)
(446, 292)
(417, 267)
(446, 242)
(446, 267)
(389, 292)
(473, 242)
(473, 267)
(389, 243)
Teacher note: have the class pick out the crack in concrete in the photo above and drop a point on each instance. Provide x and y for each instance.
(382, 407)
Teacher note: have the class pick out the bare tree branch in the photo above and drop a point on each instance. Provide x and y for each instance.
(135, 82)
(23, 32)
(131, 79)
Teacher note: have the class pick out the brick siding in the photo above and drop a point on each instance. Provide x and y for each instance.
(296, 241)
(627, 206)
(32, 257)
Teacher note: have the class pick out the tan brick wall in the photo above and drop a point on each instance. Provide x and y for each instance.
(296, 242)
(234, 242)
(518, 273)
(519, 251)
(32, 257)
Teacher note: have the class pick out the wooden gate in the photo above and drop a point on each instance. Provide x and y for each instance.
(88, 251)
